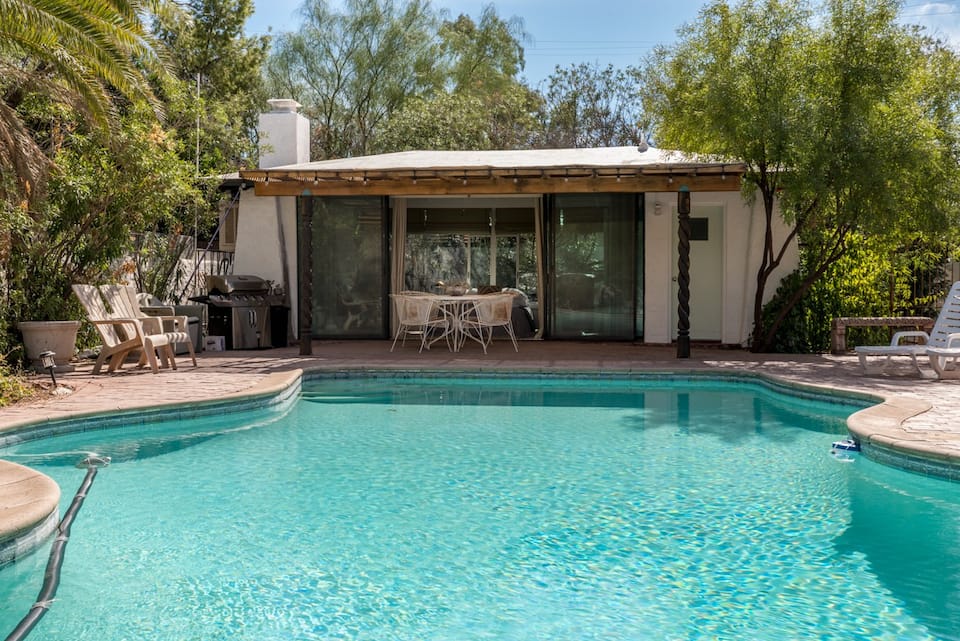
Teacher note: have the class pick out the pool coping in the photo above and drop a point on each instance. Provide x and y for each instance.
(29, 510)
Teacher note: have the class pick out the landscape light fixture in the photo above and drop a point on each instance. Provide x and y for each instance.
(49, 363)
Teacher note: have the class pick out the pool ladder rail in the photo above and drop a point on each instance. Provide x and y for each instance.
(51, 577)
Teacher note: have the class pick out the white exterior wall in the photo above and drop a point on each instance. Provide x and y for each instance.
(743, 233)
(284, 135)
(267, 226)
(259, 251)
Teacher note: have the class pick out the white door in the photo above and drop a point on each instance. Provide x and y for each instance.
(706, 273)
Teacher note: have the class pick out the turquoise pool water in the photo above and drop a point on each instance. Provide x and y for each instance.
(378, 509)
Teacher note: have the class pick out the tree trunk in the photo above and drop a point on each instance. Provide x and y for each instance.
(827, 258)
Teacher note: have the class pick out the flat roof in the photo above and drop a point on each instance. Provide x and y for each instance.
(631, 168)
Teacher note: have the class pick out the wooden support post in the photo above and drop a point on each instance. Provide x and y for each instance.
(305, 276)
(683, 273)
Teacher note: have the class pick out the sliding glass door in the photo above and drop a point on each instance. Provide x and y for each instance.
(594, 266)
(349, 267)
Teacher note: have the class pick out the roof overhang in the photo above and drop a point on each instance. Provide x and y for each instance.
(423, 173)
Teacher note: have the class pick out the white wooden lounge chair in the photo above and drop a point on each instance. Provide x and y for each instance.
(941, 345)
(121, 336)
(123, 300)
(492, 311)
(416, 316)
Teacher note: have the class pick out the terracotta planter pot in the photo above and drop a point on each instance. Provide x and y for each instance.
(56, 336)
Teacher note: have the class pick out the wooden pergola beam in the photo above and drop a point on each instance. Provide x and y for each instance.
(274, 183)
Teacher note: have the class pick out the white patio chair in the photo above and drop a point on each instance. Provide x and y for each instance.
(941, 345)
(417, 316)
(491, 311)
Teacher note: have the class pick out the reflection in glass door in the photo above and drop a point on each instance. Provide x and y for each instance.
(471, 246)
(477, 246)
(452, 259)
(594, 266)
(349, 267)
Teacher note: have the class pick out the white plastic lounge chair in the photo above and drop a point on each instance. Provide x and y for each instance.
(943, 360)
(492, 311)
(121, 336)
(941, 345)
(123, 300)
(416, 316)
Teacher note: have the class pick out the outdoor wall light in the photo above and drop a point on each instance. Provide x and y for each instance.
(49, 363)
(683, 200)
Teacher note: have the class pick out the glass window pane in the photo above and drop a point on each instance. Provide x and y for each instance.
(453, 259)
(594, 265)
(506, 261)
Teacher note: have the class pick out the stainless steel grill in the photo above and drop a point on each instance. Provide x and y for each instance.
(240, 308)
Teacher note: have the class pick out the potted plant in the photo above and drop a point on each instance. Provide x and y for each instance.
(58, 336)
(49, 323)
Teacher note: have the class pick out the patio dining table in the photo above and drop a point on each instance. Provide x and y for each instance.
(455, 309)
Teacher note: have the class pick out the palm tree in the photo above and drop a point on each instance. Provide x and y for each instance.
(83, 53)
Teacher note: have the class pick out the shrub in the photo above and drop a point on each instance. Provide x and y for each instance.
(872, 279)
(13, 385)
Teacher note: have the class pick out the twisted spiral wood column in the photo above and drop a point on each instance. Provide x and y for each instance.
(683, 274)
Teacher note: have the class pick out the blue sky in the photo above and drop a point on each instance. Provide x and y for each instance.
(617, 32)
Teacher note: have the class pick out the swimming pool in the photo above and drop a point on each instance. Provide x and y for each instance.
(444, 509)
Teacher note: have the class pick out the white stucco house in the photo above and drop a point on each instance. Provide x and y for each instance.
(590, 236)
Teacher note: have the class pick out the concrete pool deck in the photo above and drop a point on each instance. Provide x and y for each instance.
(919, 420)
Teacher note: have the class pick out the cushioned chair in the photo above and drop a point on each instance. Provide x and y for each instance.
(195, 313)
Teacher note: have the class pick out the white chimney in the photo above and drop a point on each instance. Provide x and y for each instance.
(284, 134)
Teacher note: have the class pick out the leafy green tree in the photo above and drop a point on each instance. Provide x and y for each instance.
(464, 121)
(484, 105)
(876, 276)
(447, 121)
(484, 56)
(83, 54)
(846, 120)
(100, 193)
(215, 104)
(586, 105)
(353, 69)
